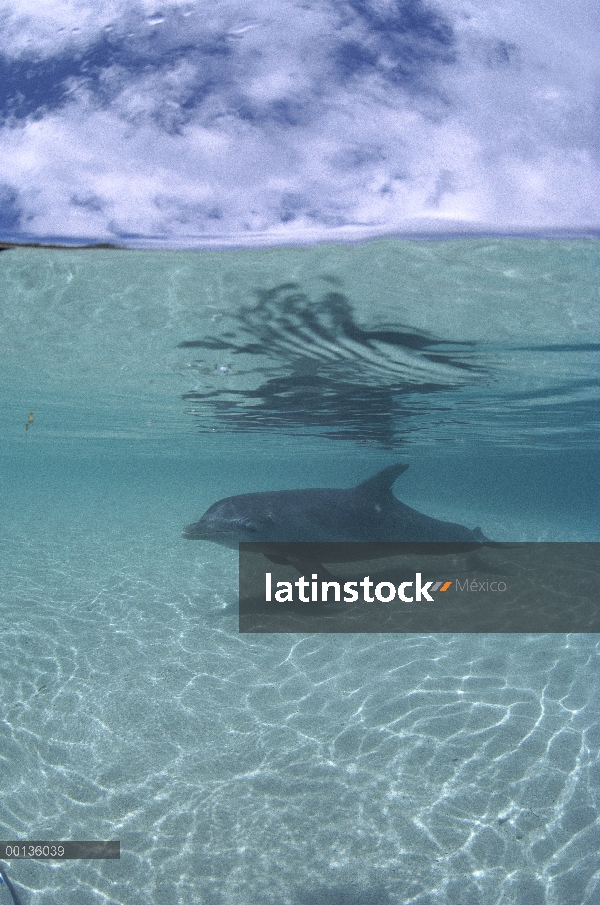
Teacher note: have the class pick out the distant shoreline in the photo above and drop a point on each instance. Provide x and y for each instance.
(261, 242)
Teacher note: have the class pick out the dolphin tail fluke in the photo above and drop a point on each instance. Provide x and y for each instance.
(381, 483)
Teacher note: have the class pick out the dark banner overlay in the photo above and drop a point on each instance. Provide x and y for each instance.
(468, 587)
(59, 851)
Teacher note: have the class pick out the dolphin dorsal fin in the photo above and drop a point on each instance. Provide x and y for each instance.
(381, 483)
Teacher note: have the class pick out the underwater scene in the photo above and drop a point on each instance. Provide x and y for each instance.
(140, 387)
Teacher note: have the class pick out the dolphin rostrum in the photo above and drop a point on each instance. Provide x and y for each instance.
(368, 513)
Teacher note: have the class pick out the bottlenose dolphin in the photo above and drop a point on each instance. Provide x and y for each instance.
(368, 513)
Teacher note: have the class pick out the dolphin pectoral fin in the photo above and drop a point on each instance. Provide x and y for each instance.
(305, 566)
(381, 483)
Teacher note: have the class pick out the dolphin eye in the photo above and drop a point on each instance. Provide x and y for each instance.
(245, 523)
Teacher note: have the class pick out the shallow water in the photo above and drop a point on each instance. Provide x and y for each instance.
(351, 770)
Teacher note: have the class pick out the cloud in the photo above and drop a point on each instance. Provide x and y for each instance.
(239, 123)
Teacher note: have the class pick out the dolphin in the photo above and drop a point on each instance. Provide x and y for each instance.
(368, 513)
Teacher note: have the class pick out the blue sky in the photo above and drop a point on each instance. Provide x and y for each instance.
(242, 123)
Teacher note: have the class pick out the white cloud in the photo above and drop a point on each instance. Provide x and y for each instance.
(240, 123)
(47, 27)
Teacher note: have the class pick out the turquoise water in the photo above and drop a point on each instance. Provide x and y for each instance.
(347, 770)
